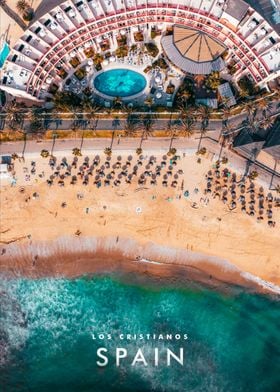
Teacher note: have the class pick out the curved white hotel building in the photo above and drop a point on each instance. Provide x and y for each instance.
(197, 36)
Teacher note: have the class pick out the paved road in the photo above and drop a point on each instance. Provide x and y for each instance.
(161, 124)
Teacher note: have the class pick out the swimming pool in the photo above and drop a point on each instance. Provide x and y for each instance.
(4, 53)
(120, 82)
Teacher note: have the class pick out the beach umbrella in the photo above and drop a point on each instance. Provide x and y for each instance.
(129, 158)
(119, 158)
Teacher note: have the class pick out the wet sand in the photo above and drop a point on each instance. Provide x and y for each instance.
(74, 257)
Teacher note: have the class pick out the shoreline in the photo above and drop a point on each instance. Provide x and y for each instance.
(72, 257)
(171, 228)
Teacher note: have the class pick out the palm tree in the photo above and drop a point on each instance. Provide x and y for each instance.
(251, 110)
(186, 127)
(130, 127)
(227, 113)
(267, 123)
(184, 95)
(225, 136)
(187, 111)
(147, 123)
(12, 14)
(45, 154)
(204, 115)
(35, 117)
(90, 110)
(15, 114)
(149, 102)
(244, 93)
(22, 6)
(199, 79)
(77, 120)
(264, 106)
(77, 152)
(108, 151)
(115, 123)
(66, 101)
(54, 136)
(117, 101)
(172, 131)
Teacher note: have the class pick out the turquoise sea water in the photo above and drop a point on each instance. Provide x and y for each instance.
(120, 82)
(46, 340)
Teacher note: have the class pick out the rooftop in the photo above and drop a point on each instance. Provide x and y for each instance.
(266, 9)
(236, 8)
(272, 144)
(196, 45)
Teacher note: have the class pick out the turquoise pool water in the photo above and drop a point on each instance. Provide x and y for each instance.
(120, 82)
(4, 53)
(46, 342)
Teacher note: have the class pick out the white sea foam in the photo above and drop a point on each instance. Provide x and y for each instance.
(130, 249)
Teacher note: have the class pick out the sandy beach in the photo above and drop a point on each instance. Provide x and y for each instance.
(146, 227)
